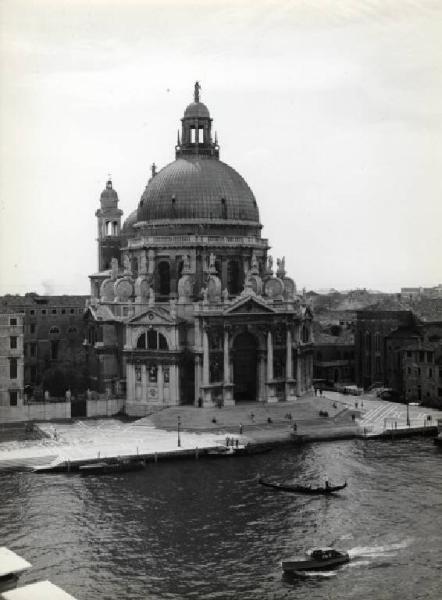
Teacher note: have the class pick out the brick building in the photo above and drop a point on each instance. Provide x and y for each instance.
(334, 357)
(53, 335)
(11, 359)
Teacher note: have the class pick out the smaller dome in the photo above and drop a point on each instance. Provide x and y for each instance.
(130, 221)
(197, 110)
(109, 197)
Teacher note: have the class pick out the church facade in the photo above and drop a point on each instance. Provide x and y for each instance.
(187, 306)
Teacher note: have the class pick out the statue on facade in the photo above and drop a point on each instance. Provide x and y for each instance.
(270, 264)
(225, 295)
(196, 91)
(205, 292)
(151, 296)
(143, 263)
(254, 264)
(114, 268)
(186, 264)
(280, 262)
(172, 304)
(126, 265)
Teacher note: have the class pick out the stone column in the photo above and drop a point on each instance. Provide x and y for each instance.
(269, 356)
(262, 376)
(226, 357)
(205, 357)
(223, 274)
(160, 382)
(298, 373)
(288, 360)
(197, 378)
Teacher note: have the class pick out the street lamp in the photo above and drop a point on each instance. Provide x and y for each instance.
(178, 431)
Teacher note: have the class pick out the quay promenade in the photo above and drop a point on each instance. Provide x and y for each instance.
(186, 430)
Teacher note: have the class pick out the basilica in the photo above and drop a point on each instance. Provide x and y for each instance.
(187, 306)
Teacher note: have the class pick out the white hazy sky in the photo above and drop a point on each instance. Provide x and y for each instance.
(331, 111)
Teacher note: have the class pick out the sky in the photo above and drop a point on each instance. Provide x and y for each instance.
(330, 110)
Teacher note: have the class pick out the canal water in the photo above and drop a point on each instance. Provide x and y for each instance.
(207, 529)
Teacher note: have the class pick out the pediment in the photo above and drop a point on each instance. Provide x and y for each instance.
(249, 305)
(153, 316)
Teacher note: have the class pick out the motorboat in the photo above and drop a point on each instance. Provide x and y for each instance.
(11, 567)
(316, 559)
(240, 450)
(111, 466)
(303, 489)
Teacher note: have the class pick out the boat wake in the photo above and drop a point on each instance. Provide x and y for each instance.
(375, 551)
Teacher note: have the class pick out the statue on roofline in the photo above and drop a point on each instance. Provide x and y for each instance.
(196, 93)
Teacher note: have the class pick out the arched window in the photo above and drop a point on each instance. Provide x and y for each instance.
(72, 330)
(152, 339)
(164, 278)
(223, 208)
(162, 342)
(54, 330)
(305, 335)
(233, 277)
(141, 342)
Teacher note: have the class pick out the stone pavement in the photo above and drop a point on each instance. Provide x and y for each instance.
(377, 415)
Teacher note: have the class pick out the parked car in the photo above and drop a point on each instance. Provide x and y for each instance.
(391, 395)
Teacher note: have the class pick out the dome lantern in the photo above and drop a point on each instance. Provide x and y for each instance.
(196, 130)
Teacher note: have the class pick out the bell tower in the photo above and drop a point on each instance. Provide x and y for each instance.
(196, 130)
(109, 227)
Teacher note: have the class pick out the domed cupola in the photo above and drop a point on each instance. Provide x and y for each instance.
(196, 130)
(109, 197)
(198, 189)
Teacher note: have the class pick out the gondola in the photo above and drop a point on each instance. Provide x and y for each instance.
(302, 489)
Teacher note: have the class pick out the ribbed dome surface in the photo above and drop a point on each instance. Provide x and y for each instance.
(196, 110)
(198, 188)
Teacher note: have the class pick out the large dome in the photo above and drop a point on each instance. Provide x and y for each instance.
(198, 188)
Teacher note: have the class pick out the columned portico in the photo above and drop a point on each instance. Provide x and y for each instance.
(290, 383)
(228, 386)
(271, 395)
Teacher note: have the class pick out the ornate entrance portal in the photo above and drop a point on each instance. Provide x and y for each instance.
(245, 363)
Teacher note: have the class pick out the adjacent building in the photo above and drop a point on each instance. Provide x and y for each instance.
(399, 345)
(53, 352)
(11, 360)
(187, 306)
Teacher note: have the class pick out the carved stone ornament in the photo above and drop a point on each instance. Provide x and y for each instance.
(114, 268)
(274, 288)
(214, 288)
(290, 288)
(185, 289)
(107, 293)
(123, 289)
(126, 265)
(143, 263)
(142, 289)
(280, 267)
